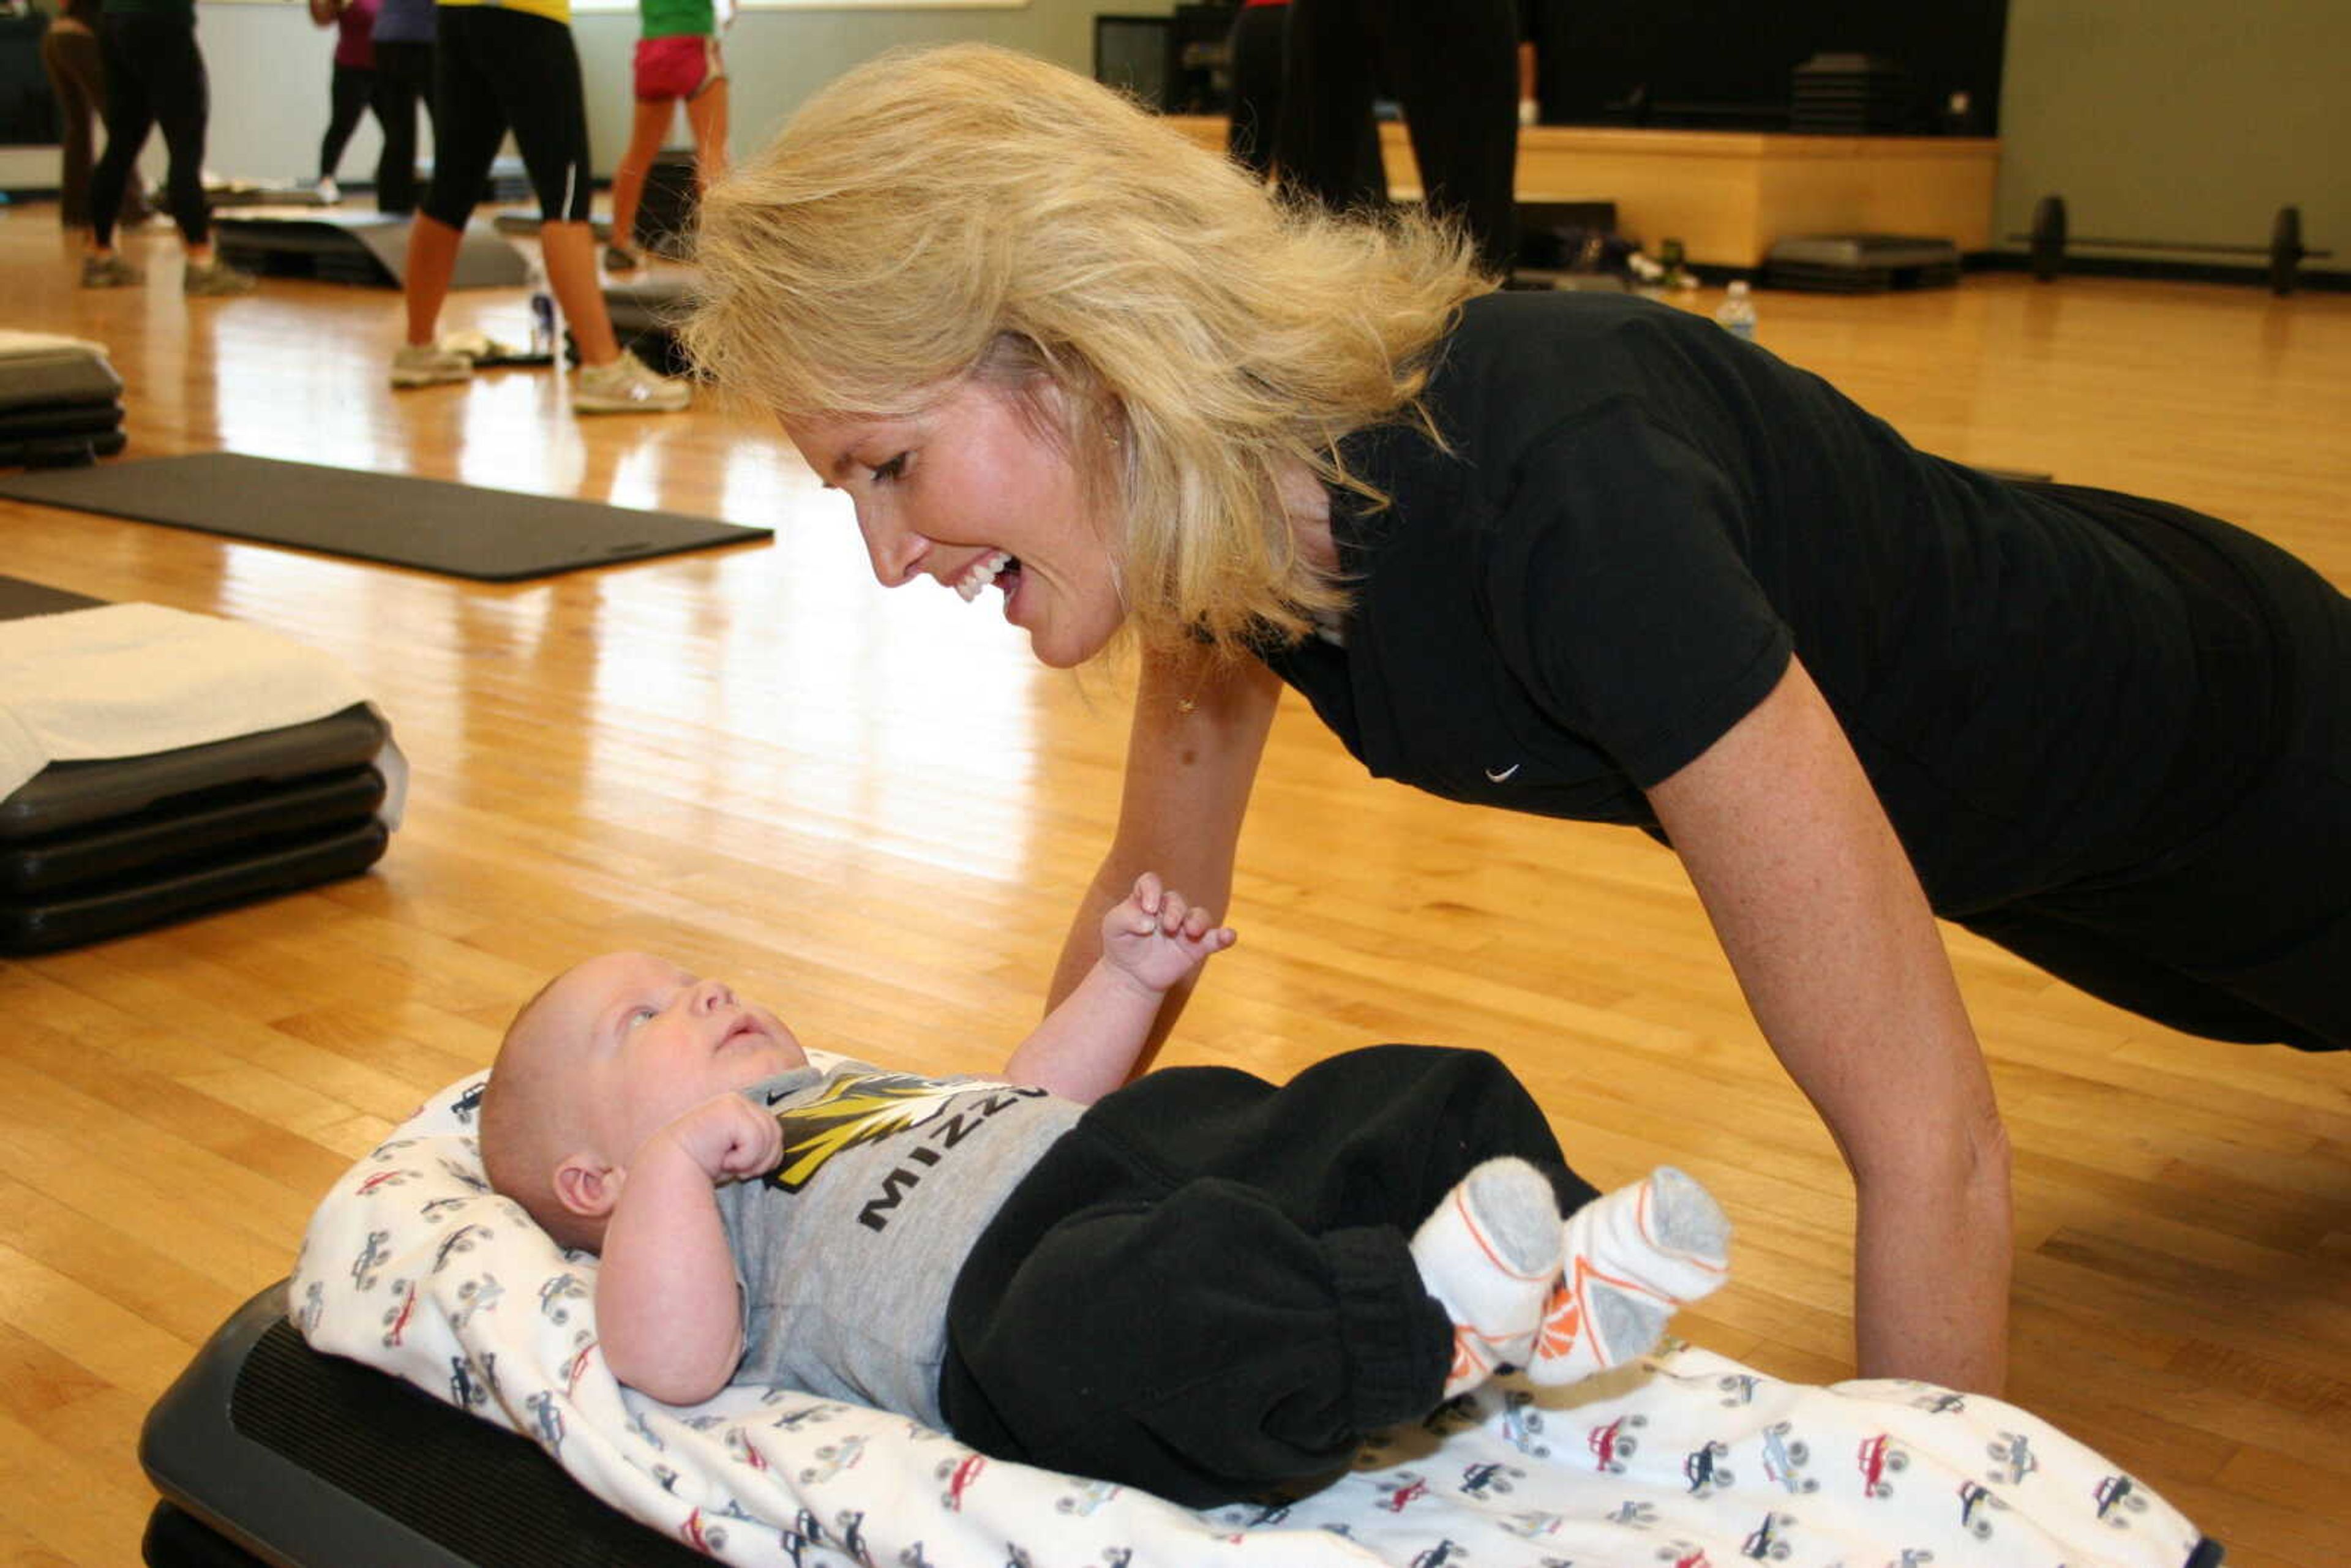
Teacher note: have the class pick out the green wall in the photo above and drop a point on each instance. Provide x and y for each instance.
(2180, 119)
(2190, 120)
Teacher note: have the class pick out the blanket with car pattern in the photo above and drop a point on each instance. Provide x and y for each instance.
(1685, 1460)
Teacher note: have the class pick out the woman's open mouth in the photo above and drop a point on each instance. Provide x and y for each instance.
(996, 566)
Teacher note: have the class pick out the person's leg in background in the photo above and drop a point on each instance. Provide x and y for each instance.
(403, 77)
(1325, 116)
(350, 94)
(1455, 70)
(497, 71)
(182, 95)
(468, 125)
(1254, 46)
(706, 117)
(71, 57)
(129, 119)
(548, 107)
(648, 127)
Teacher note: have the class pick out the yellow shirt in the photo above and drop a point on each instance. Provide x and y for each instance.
(553, 10)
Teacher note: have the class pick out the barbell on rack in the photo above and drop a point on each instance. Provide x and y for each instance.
(2285, 250)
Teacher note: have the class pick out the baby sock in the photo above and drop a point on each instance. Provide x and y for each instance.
(1632, 1256)
(1490, 1255)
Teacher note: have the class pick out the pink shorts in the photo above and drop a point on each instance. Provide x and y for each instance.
(678, 66)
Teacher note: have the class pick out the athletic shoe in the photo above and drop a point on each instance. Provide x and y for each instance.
(627, 386)
(428, 364)
(329, 194)
(617, 259)
(109, 272)
(215, 278)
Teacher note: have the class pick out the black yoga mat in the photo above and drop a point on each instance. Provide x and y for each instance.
(463, 530)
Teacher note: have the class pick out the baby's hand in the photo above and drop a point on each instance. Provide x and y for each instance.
(730, 1138)
(1155, 938)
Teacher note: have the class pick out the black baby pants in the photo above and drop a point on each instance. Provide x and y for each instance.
(1207, 1287)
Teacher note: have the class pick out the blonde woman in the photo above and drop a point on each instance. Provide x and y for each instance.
(1572, 555)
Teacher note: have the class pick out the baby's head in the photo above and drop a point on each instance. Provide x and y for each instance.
(601, 1059)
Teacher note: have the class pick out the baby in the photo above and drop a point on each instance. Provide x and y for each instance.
(1199, 1283)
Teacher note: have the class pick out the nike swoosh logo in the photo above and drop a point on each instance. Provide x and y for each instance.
(1497, 777)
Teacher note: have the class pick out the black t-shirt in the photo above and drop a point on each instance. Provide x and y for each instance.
(1641, 517)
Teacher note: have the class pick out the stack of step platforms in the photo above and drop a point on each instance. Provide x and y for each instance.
(1852, 94)
(61, 402)
(1861, 263)
(99, 849)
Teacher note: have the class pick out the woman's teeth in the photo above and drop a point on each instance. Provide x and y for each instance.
(983, 572)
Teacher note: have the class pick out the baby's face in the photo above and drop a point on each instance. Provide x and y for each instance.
(652, 1041)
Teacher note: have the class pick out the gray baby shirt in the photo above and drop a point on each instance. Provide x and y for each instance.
(846, 1252)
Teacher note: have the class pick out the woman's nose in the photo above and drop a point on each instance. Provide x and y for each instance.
(894, 551)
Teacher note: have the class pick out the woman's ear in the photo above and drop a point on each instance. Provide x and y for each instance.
(587, 1185)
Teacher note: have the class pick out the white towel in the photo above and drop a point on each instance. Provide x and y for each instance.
(15, 345)
(126, 680)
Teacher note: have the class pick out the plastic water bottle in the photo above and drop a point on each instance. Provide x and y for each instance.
(542, 312)
(1737, 315)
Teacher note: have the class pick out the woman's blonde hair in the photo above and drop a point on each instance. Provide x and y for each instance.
(964, 210)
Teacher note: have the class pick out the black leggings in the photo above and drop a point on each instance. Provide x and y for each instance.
(77, 77)
(349, 95)
(495, 71)
(154, 76)
(404, 79)
(1206, 1286)
(1454, 69)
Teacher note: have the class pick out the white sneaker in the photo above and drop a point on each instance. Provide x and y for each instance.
(428, 364)
(627, 385)
(329, 194)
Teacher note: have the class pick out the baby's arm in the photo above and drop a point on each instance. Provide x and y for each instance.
(1089, 1045)
(667, 1307)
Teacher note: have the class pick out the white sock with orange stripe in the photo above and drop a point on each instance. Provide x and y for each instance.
(1632, 1256)
(1490, 1255)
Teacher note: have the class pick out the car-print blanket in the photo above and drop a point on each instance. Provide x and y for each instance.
(1684, 1461)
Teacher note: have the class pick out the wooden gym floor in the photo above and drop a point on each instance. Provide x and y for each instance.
(875, 812)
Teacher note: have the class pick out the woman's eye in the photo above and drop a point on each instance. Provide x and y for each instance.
(885, 473)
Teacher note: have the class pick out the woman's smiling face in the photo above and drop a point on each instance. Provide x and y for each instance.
(977, 491)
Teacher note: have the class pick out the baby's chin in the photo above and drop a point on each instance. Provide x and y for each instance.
(770, 1058)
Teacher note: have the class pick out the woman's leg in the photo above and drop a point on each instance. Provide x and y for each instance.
(71, 59)
(471, 125)
(705, 116)
(649, 125)
(403, 72)
(182, 99)
(129, 118)
(348, 97)
(541, 97)
(1255, 46)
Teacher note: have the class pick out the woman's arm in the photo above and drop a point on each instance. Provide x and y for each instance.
(1824, 922)
(325, 12)
(1199, 730)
